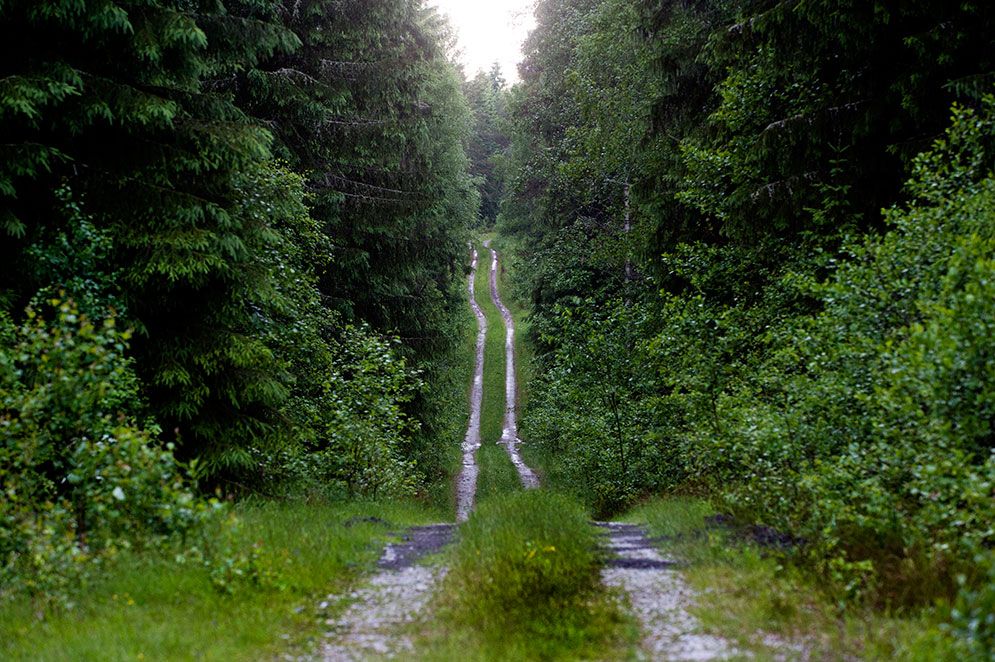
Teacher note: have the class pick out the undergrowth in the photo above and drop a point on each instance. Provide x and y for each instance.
(146, 606)
(751, 596)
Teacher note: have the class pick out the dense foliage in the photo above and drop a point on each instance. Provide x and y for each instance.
(719, 304)
(272, 197)
(83, 477)
(487, 95)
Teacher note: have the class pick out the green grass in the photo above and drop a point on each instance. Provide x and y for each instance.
(524, 584)
(760, 602)
(498, 476)
(144, 607)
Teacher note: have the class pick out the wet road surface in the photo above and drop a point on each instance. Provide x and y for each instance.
(509, 433)
(466, 483)
(659, 598)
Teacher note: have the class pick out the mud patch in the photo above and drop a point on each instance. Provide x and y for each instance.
(764, 537)
(415, 544)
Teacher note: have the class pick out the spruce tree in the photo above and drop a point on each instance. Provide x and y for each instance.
(118, 100)
(370, 111)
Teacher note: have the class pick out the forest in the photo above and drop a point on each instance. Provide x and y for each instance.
(748, 247)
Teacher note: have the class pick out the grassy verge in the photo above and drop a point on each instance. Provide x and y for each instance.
(524, 584)
(144, 607)
(766, 606)
(497, 473)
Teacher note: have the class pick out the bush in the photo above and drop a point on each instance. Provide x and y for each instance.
(856, 414)
(354, 432)
(884, 460)
(586, 414)
(972, 620)
(82, 478)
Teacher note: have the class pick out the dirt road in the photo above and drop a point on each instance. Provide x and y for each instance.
(509, 433)
(466, 483)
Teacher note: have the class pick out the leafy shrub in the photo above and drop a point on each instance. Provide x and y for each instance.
(366, 427)
(586, 414)
(884, 459)
(855, 414)
(355, 435)
(973, 616)
(82, 478)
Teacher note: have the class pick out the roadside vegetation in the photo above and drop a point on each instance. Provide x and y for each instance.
(746, 594)
(524, 584)
(719, 307)
(228, 303)
(750, 250)
(283, 560)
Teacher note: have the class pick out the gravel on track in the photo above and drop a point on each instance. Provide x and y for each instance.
(374, 625)
(659, 598)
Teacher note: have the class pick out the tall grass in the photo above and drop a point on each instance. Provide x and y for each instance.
(145, 607)
(524, 584)
(498, 476)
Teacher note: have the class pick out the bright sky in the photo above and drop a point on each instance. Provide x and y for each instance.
(490, 31)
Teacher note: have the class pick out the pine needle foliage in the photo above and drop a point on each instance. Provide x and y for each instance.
(160, 121)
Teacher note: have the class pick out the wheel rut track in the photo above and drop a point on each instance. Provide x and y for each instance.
(659, 598)
(374, 624)
(466, 483)
(509, 433)
(380, 613)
